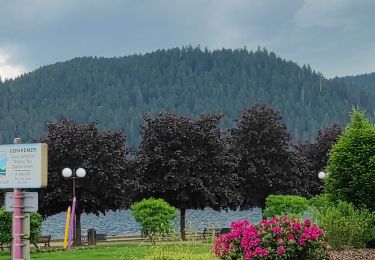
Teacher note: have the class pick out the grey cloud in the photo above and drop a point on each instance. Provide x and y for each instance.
(334, 36)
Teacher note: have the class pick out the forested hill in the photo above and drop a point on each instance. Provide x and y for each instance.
(364, 81)
(118, 91)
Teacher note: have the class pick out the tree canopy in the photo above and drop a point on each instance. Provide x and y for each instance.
(184, 161)
(101, 154)
(312, 157)
(260, 141)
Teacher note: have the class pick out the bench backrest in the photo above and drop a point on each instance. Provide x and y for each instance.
(101, 236)
(43, 239)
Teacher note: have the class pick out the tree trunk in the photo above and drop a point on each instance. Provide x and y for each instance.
(182, 223)
(77, 240)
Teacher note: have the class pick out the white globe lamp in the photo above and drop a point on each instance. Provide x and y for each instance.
(81, 172)
(321, 175)
(67, 172)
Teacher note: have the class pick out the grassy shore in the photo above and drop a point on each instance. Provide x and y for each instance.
(127, 251)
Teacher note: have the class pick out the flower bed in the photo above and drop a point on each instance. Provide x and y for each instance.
(283, 238)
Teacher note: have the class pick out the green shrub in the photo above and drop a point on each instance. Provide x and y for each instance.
(280, 205)
(320, 201)
(346, 226)
(351, 165)
(154, 216)
(6, 226)
(36, 222)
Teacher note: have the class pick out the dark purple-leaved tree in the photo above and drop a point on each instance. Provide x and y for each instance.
(106, 185)
(185, 162)
(260, 141)
(312, 157)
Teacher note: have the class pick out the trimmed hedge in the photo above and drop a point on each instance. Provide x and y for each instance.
(281, 205)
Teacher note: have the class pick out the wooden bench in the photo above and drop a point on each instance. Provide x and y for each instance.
(43, 239)
(6, 245)
(98, 237)
(101, 237)
(209, 232)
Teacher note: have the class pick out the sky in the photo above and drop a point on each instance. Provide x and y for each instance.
(336, 37)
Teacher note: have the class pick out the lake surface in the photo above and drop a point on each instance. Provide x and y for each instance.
(122, 222)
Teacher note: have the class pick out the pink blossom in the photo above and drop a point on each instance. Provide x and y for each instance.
(261, 251)
(297, 225)
(275, 220)
(307, 223)
(277, 230)
(301, 241)
(280, 250)
(248, 241)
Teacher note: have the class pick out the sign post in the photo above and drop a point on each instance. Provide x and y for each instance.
(22, 166)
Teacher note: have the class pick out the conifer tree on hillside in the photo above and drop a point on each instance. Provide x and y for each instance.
(189, 81)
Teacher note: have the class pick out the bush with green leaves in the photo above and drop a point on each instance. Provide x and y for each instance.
(154, 216)
(281, 205)
(36, 222)
(6, 226)
(351, 165)
(344, 225)
(320, 201)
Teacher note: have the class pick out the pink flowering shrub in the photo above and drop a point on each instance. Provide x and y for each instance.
(283, 238)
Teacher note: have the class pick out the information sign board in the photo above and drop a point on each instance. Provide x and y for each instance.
(23, 166)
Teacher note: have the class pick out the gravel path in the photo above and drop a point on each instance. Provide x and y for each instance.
(354, 254)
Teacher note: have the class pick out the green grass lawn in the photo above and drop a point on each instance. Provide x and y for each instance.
(176, 251)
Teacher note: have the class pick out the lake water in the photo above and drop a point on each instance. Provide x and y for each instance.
(122, 222)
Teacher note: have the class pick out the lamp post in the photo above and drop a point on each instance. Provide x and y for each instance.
(74, 174)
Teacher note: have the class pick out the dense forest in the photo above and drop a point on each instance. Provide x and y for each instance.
(365, 81)
(188, 81)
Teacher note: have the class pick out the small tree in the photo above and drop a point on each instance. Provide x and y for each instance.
(351, 166)
(185, 162)
(154, 216)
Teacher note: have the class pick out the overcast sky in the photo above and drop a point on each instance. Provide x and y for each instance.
(336, 37)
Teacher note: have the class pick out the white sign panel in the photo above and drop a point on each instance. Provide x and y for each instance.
(29, 201)
(23, 166)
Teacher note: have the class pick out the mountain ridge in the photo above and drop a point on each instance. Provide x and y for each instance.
(118, 91)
